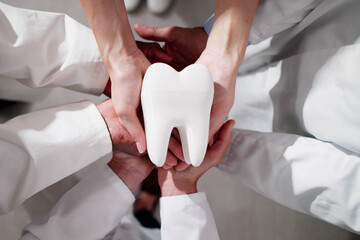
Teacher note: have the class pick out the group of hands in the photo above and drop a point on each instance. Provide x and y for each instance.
(123, 116)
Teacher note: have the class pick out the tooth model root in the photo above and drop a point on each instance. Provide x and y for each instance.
(157, 139)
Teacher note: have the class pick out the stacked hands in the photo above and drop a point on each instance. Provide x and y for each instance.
(132, 168)
(126, 60)
(124, 117)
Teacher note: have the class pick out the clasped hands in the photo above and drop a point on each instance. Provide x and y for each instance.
(132, 168)
(125, 124)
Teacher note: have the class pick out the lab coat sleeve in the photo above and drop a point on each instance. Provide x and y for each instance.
(90, 210)
(40, 148)
(187, 217)
(274, 16)
(305, 174)
(43, 49)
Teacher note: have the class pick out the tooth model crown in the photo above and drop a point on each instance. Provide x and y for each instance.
(181, 100)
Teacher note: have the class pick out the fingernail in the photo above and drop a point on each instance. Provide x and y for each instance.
(140, 146)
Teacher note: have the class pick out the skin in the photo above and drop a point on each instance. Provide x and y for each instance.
(125, 62)
(126, 162)
(133, 168)
(173, 183)
(122, 141)
(222, 52)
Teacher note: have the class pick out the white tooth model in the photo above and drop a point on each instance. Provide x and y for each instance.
(181, 100)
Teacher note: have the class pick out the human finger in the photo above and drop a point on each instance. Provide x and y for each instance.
(131, 122)
(171, 160)
(176, 148)
(217, 150)
(181, 166)
(161, 34)
(154, 51)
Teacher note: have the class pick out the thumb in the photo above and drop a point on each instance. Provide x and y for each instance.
(216, 151)
(129, 119)
(134, 127)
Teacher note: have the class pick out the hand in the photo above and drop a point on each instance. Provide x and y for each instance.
(223, 67)
(224, 53)
(183, 53)
(120, 137)
(224, 76)
(132, 170)
(122, 140)
(174, 182)
(152, 51)
(125, 62)
(183, 45)
(126, 161)
(126, 79)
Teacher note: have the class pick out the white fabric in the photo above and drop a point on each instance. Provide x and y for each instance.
(131, 229)
(187, 217)
(305, 174)
(41, 148)
(43, 49)
(38, 149)
(98, 203)
(90, 210)
(274, 16)
(305, 81)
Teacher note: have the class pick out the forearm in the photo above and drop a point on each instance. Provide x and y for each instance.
(171, 187)
(111, 27)
(231, 28)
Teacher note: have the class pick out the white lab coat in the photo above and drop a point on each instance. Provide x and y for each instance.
(96, 205)
(302, 81)
(38, 149)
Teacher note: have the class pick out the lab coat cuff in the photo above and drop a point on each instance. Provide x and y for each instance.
(177, 202)
(226, 160)
(95, 121)
(127, 197)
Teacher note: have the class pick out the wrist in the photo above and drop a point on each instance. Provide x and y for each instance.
(223, 67)
(131, 177)
(175, 189)
(119, 53)
(231, 28)
(125, 61)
